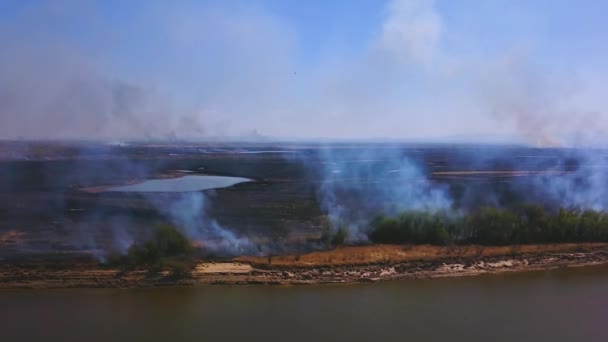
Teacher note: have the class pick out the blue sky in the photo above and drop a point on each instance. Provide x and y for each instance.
(531, 71)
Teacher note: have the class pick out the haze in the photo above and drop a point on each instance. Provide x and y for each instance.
(515, 71)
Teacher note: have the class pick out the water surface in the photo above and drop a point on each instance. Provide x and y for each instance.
(181, 184)
(564, 305)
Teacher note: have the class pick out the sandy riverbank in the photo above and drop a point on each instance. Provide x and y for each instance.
(342, 265)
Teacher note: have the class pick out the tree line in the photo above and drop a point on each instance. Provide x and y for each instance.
(492, 226)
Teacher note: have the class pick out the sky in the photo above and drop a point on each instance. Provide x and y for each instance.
(496, 70)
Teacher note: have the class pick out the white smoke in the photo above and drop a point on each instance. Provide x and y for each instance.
(201, 70)
(411, 31)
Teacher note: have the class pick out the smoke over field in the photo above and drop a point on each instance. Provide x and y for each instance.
(57, 198)
(218, 73)
(357, 184)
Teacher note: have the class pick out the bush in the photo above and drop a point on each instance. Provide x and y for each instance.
(494, 226)
(167, 243)
(339, 237)
(413, 227)
(334, 239)
(388, 230)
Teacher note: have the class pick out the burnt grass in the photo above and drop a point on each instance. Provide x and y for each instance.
(41, 186)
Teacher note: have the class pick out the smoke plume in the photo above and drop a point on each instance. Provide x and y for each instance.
(420, 69)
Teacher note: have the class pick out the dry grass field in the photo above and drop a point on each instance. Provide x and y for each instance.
(360, 255)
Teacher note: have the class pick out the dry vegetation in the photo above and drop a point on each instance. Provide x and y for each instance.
(221, 267)
(362, 255)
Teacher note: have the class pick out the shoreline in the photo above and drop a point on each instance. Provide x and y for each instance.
(238, 272)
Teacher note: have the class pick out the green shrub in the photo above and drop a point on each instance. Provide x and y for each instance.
(167, 243)
(414, 227)
(334, 238)
(494, 226)
(339, 237)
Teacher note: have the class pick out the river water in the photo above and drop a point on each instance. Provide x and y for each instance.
(563, 305)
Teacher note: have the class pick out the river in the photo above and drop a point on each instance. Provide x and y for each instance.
(562, 305)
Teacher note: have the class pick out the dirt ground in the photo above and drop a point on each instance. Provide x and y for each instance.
(343, 265)
(221, 267)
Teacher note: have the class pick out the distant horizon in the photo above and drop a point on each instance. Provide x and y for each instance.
(290, 141)
(278, 139)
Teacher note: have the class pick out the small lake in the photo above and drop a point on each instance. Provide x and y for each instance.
(180, 184)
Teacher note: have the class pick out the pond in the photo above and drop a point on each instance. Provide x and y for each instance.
(180, 184)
